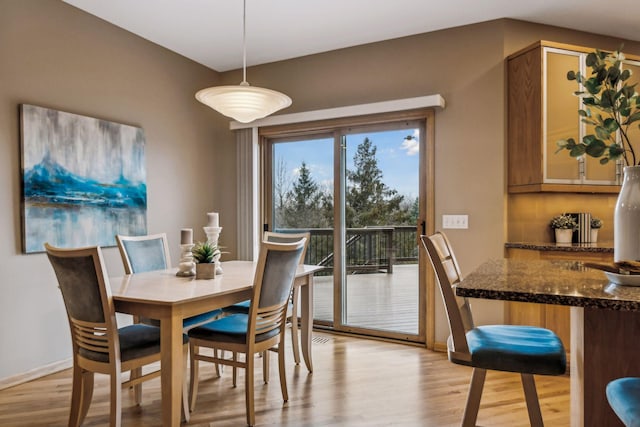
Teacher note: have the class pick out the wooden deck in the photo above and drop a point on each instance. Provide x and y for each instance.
(384, 301)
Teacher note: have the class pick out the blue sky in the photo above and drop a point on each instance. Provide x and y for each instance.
(397, 158)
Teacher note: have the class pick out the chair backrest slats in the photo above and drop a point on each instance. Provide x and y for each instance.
(448, 275)
(144, 253)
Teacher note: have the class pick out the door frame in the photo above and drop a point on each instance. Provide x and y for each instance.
(426, 116)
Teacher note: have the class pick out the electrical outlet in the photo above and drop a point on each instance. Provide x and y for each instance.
(455, 221)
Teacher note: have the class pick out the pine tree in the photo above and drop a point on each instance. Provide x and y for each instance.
(304, 202)
(369, 200)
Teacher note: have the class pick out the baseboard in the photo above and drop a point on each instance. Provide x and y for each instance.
(38, 372)
(440, 346)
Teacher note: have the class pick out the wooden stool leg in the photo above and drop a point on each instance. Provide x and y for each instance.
(531, 396)
(473, 398)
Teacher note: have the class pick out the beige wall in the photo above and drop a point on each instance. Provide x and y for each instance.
(56, 56)
(466, 66)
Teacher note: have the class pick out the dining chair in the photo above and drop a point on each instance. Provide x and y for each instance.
(99, 346)
(257, 331)
(527, 350)
(243, 307)
(148, 253)
(623, 395)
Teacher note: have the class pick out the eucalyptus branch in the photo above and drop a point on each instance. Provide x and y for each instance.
(617, 102)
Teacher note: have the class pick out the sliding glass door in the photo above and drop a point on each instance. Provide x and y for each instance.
(357, 190)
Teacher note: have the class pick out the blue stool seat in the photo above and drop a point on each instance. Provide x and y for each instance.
(623, 395)
(516, 348)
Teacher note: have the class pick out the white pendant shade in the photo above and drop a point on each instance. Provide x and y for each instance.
(243, 103)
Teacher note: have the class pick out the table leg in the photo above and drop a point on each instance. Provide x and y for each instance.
(172, 370)
(307, 320)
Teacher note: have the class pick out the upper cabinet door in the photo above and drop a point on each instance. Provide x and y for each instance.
(560, 115)
(543, 109)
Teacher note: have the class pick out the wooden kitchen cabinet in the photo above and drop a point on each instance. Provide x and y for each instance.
(542, 109)
(554, 317)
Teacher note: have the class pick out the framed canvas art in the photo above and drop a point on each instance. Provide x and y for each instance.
(83, 180)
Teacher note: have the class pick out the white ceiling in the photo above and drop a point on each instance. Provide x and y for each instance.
(210, 31)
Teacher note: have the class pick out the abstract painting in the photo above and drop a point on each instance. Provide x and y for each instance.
(83, 180)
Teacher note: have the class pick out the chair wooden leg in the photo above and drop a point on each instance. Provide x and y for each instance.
(235, 370)
(137, 389)
(473, 398)
(295, 337)
(81, 393)
(531, 396)
(248, 385)
(265, 366)
(282, 371)
(115, 416)
(218, 366)
(194, 365)
(185, 398)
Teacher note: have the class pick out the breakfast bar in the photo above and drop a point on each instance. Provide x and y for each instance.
(605, 322)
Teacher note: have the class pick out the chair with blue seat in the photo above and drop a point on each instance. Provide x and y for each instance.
(526, 350)
(98, 344)
(623, 395)
(243, 307)
(148, 253)
(257, 331)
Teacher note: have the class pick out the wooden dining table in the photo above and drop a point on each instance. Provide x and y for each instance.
(605, 323)
(164, 296)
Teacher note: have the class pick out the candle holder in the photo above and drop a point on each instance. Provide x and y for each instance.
(213, 234)
(187, 267)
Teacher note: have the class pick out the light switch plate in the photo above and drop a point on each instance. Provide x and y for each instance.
(455, 221)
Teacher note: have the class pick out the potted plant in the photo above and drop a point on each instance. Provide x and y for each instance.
(205, 254)
(563, 225)
(596, 224)
(611, 106)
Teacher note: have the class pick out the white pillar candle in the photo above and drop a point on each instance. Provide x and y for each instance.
(186, 236)
(214, 219)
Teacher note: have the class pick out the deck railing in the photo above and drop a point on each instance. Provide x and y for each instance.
(370, 249)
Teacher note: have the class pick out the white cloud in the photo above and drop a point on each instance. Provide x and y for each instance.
(411, 146)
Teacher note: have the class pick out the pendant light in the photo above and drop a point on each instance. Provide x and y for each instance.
(243, 103)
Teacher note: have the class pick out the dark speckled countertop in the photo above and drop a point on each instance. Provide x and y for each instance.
(604, 247)
(548, 282)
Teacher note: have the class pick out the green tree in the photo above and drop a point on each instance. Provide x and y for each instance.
(369, 200)
(304, 205)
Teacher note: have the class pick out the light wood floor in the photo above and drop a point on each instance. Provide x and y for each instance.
(356, 382)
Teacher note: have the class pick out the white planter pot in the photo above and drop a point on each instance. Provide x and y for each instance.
(594, 235)
(626, 218)
(563, 235)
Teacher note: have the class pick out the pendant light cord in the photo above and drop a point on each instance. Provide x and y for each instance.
(244, 42)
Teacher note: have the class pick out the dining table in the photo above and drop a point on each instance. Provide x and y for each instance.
(605, 323)
(170, 298)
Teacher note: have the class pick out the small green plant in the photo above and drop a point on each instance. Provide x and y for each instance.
(563, 221)
(596, 223)
(611, 106)
(205, 252)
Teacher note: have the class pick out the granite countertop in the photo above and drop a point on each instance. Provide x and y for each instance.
(603, 247)
(548, 282)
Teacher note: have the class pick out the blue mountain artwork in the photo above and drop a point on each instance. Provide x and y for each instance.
(49, 183)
